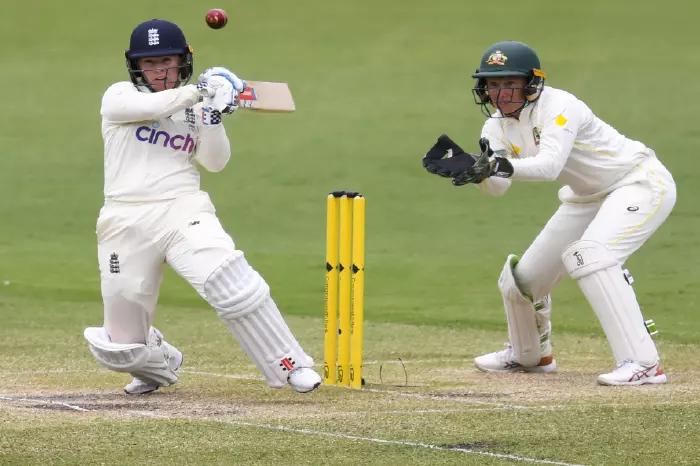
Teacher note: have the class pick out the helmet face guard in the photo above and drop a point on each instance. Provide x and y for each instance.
(158, 38)
(508, 58)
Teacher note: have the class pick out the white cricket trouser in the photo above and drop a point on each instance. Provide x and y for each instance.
(135, 240)
(622, 221)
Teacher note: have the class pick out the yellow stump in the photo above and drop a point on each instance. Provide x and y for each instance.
(358, 287)
(344, 290)
(330, 342)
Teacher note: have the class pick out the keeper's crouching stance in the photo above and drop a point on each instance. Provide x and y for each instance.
(156, 129)
(615, 194)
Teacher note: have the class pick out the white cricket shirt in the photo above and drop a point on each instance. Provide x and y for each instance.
(560, 138)
(151, 142)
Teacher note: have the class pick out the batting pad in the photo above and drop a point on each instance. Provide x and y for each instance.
(602, 281)
(242, 300)
(523, 332)
(149, 363)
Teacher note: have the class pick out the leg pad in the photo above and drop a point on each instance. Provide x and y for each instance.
(602, 281)
(523, 330)
(242, 300)
(148, 362)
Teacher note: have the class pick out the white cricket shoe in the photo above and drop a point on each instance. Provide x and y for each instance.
(503, 361)
(634, 373)
(140, 387)
(304, 379)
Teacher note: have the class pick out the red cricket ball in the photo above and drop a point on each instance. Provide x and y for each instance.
(216, 18)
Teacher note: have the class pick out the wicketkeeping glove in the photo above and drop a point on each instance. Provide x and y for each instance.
(484, 166)
(437, 160)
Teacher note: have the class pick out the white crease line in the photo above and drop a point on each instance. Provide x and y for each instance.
(50, 402)
(374, 390)
(251, 366)
(148, 414)
(466, 361)
(434, 397)
(409, 412)
(494, 404)
(456, 399)
(51, 371)
(403, 443)
(225, 376)
(368, 413)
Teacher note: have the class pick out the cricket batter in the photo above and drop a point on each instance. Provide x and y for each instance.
(157, 129)
(615, 193)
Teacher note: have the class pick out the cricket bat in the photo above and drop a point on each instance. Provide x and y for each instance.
(266, 96)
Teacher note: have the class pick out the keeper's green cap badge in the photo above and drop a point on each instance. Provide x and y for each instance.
(497, 58)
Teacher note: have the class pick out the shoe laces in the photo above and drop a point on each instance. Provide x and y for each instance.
(624, 363)
(507, 351)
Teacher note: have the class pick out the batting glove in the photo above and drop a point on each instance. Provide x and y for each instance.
(237, 83)
(210, 116)
(218, 93)
(210, 80)
(225, 101)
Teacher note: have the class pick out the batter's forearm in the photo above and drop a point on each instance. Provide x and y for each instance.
(214, 148)
(125, 106)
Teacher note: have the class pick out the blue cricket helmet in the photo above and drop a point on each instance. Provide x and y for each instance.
(158, 38)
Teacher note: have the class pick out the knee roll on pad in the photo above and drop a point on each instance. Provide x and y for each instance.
(523, 330)
(603, 283)
(148, 362)
(242, 300)
(234, 288)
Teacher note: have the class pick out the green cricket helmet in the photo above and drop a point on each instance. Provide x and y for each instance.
(509, 58)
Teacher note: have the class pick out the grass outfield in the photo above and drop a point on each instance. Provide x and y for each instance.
(375, 83)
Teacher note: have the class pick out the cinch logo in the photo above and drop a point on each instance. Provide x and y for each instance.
(163, 138)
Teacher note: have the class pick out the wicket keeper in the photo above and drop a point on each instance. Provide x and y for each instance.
(615, 193)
